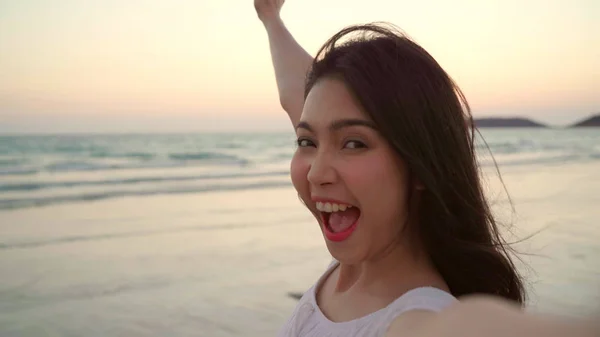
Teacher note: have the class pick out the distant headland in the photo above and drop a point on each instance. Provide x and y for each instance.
(593, 121)
(519, 122)
(507, 123)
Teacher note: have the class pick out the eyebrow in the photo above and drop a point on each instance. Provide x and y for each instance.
(340, 124)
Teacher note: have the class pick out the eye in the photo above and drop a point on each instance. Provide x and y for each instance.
(304, 142)
(354, 144)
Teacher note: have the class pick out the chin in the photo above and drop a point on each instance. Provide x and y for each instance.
(345, 255)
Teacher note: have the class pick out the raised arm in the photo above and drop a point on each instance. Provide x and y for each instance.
(290, 61)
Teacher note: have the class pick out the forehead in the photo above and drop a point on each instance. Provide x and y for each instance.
(330, 99)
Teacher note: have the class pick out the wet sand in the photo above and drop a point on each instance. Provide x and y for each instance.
(223, 263)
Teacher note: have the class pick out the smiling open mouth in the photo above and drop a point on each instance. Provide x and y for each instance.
(339, 220)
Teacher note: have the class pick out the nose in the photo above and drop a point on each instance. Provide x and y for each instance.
(321, 170)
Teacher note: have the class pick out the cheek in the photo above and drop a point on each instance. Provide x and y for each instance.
(358, 176)
(375, 173)
(299, 173)
(381, 186)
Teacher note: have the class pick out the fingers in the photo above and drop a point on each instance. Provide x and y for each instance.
(268, 9)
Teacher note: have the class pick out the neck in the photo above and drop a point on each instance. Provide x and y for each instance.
(397, 270)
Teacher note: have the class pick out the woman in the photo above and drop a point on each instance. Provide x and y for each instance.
(386, 163)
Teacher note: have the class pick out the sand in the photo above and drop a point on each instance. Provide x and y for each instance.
(221, 263)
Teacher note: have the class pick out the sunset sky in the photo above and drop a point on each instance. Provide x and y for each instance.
(158, 65)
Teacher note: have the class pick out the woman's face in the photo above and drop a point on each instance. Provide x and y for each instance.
(348, 175)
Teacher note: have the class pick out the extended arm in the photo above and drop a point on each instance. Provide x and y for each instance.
(290, 61)
(482, 316)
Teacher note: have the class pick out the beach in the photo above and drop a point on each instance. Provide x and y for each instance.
(216, 253)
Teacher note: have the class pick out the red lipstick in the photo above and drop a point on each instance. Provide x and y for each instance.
(329, 234)
(340, 236)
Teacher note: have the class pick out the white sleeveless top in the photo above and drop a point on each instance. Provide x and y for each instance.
(307, 320)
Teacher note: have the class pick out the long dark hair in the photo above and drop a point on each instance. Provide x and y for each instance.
(423, 114)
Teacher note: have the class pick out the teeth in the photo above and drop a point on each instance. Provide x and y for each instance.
(331, 207)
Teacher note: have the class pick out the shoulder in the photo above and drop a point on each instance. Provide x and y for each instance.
(410, 322)
(427, 299)
(417, 308)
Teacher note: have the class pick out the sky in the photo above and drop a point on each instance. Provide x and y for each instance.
(175, 65)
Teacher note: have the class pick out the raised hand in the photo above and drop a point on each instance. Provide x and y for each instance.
(268, 9)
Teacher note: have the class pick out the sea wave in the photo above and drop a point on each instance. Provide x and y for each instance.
(139, 160)
(78, 165)
(222, 158)
(15, 203)
(84, 166)
(536, 159)
(18, 171)
(12, 161)
(33, 186)
(126, 155)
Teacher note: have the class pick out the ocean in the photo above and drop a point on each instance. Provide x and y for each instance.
(203, 234)
(46, 170)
